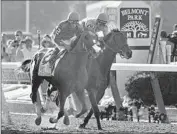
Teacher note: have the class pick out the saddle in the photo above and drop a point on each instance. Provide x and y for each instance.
(45, 69)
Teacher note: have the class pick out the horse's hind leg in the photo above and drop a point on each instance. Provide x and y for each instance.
(82, 98)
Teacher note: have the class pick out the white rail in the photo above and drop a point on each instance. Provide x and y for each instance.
(118, 66)
(10, 65)
(145, 67)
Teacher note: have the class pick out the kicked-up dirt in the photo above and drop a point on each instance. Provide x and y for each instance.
(25, 124)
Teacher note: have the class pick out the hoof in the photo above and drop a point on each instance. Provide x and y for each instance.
(38, 121)
(52, 120)
(43, 110)
(82, 126)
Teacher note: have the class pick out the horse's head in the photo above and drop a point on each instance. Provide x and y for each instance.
(83, 43)
(116, 41)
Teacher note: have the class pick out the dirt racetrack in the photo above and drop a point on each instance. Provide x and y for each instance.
(24, 124)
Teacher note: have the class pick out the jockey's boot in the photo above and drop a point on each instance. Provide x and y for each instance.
(53, 56)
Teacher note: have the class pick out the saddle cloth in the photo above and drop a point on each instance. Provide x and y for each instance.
(44, 66)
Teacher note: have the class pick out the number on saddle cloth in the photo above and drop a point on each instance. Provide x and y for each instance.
(45, 68)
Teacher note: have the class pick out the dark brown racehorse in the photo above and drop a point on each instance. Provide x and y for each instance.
(70, 74)
(99, 70)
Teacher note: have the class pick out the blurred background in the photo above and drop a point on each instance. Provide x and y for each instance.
(45, 15)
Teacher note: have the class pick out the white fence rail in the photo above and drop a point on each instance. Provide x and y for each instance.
(145, 67)
(9, 73)
(118, 66)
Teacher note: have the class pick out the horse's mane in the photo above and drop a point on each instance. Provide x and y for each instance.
(74, 42)
(116, 30)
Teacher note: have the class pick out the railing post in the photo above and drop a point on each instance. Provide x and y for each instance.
(154, 79)
(158, 95)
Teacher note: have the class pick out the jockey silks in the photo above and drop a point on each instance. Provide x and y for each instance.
(65, 31)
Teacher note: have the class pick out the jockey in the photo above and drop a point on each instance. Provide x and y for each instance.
(64, 33)
(96, 25)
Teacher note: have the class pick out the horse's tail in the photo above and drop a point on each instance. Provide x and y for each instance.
(25, 66)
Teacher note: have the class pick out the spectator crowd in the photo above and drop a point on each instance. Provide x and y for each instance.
(20, 48)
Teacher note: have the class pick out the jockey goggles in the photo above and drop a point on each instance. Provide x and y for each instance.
(91, 26)
(102, 24)
(74, 21)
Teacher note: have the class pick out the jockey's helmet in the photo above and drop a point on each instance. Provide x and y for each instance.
(73, 16)
(102, 18)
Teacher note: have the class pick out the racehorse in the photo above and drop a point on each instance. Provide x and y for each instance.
(70, 74)
(99, 70)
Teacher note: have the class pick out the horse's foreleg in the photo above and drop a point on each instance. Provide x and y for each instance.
(95, 108)
(89, 115)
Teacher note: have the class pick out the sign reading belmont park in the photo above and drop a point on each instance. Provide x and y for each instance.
(135, 22)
